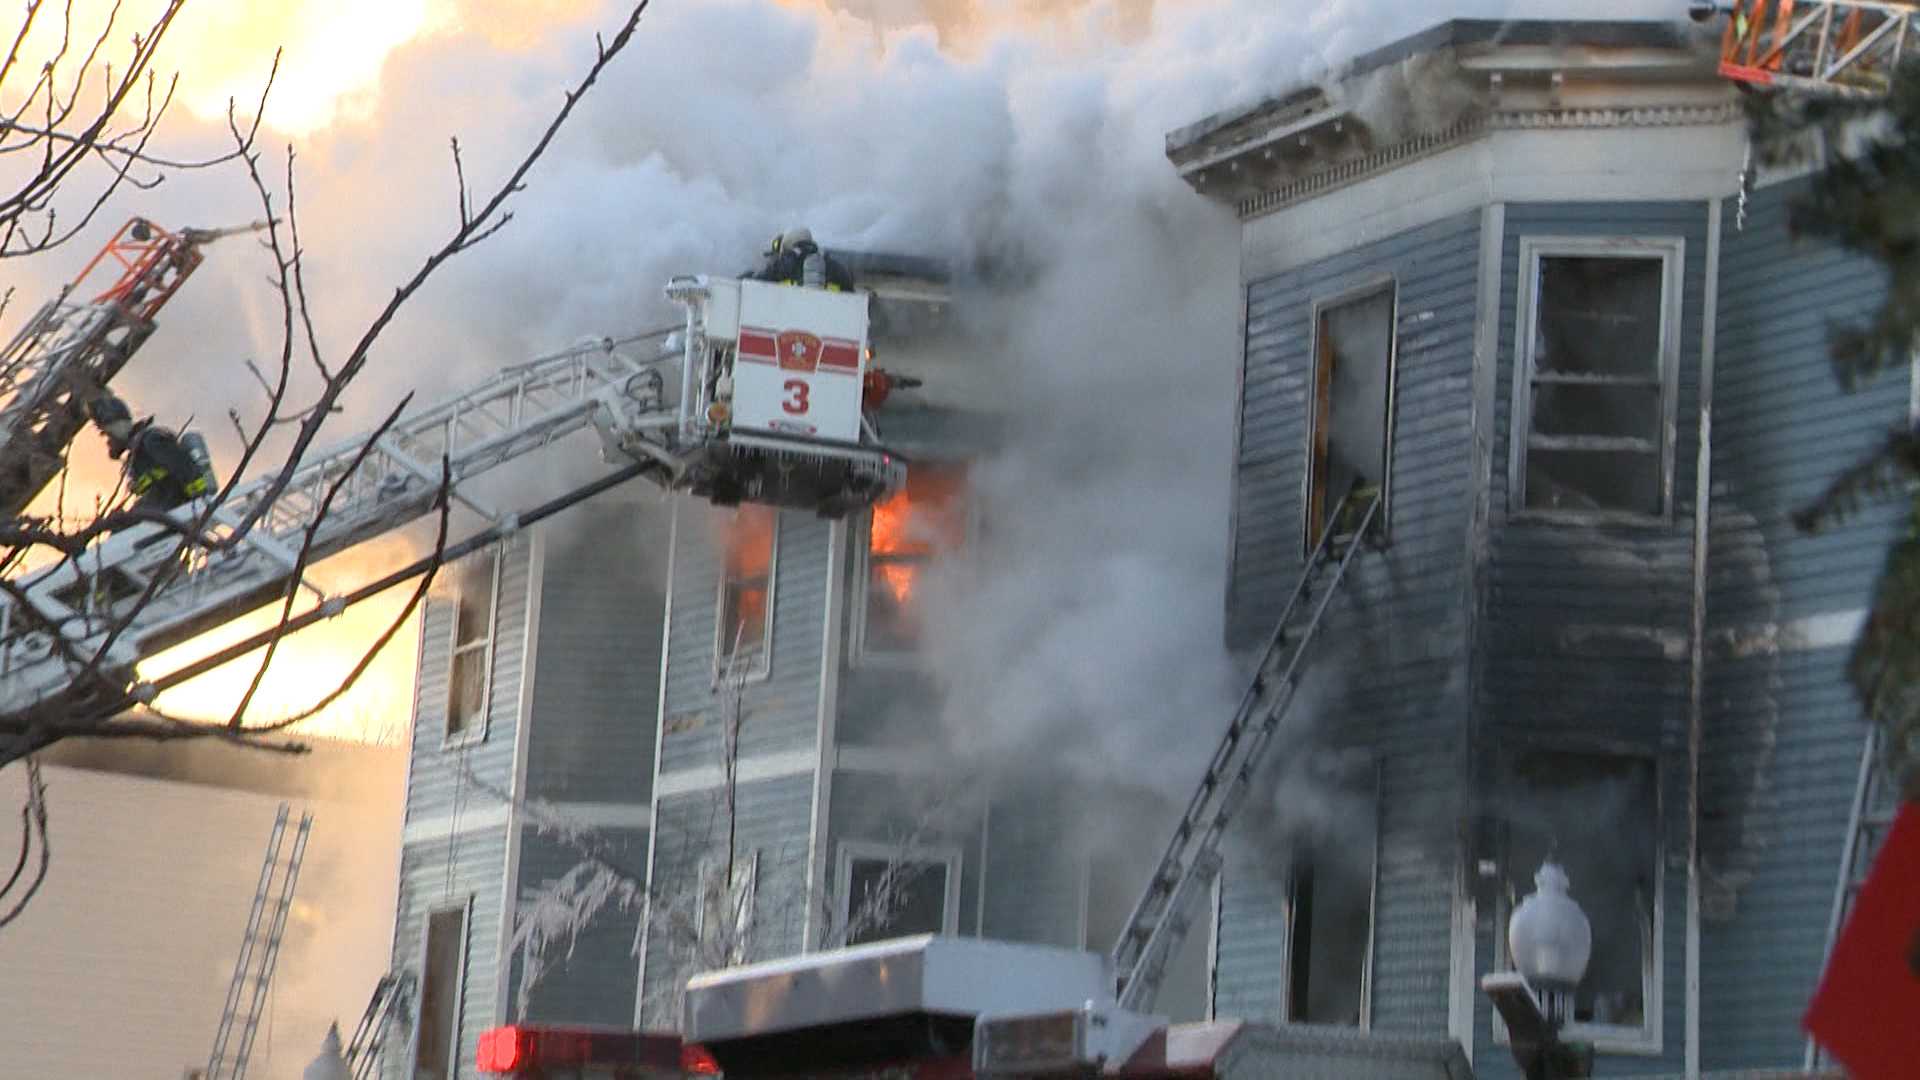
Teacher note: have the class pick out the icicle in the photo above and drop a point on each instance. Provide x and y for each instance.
(1746, 187)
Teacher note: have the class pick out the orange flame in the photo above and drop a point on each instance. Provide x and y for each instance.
(919, 521)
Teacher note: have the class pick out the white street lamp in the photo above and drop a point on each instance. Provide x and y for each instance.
(1549, 936)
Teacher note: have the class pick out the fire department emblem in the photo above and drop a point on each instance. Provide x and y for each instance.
(798, 350)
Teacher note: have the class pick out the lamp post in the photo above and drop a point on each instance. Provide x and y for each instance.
(1550, 941)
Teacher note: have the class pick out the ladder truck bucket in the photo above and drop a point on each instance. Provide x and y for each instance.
(771, 406)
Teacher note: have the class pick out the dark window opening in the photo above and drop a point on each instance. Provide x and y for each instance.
(1598, 385)
(746, 589)
(475, 581)
(1350, 407)
(438, 1038)
(1596, 815)
(911, 900)
(1330, 900)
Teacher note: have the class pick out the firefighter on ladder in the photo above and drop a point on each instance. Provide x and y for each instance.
(787, 262)
(164, 470)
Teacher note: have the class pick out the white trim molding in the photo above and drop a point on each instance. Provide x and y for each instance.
(750, 769)
(462, 822)
(948, 857)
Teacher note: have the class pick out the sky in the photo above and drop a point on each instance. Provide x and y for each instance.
(918, 125)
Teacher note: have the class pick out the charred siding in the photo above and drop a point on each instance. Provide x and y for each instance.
(435, 785)
(780, 712)
(1388, 670)
(1783, 728)
(1584, 639)
(594, 979)
(462, 869)
(770, 818)
(596, 687)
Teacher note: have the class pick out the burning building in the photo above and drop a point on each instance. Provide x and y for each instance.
(1499, 277)
(1505, 276)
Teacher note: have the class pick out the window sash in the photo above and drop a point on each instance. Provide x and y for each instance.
(1670, 253)
(1645, 1037)
(949, 859)
(455, 993)
(463, 722)
(1317, 498)
(757, 651)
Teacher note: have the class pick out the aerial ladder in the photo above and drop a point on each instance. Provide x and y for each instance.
(1829, 48)
(1163, 914)
(758, 397)
(65, 355)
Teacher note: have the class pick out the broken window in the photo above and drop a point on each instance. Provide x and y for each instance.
(745, 620)
(476, 579)
(1597, 816)
(442, 967)
(1599, 360)
(889, 894)
(905, 534)
(1350, 408)
(1329, 944)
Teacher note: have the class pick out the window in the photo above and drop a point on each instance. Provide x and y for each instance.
(1599, 334)
(476, 581)
(1350, 411)
(1597, 815)
(886, 893)
(745, 621)
(1330, 890)
(905, 534)
(442, 970)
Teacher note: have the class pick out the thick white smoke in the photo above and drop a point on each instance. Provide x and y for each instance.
(1088, 625)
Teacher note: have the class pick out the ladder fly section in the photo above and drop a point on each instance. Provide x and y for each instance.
(1874, 807)
(392, 998)
(1160, 917)
(259, 951)
(1834, 48)
(71, 348)
(72, 609)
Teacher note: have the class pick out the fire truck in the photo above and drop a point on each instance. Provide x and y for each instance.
(942, 1008)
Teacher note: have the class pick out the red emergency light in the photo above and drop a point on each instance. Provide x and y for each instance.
(532, 1050)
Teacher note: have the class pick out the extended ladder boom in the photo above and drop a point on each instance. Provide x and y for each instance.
(72, 347)
(72, 610)
(1834, 48)
(1160, 917)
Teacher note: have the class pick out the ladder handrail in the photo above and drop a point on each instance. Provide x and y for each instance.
(276, 931)
(1144, 941)
(250, 937)
(519, 411)
(1838, 54)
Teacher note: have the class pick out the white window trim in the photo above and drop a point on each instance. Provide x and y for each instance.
(1373, 928)
(1389, 284)
(1672, 251)
(762, 667)
(1646, 1039)
(850, 850)
(476, 731)
(859, 653)
(465, 908)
